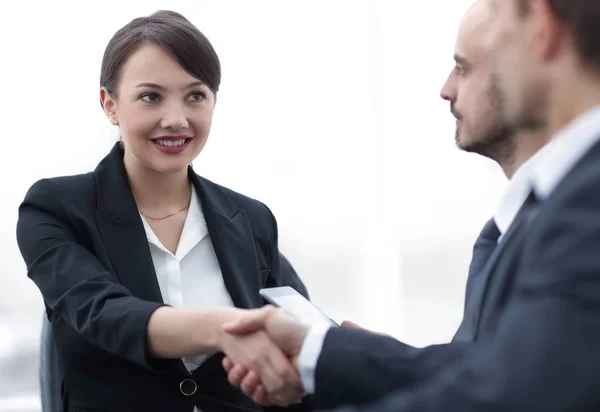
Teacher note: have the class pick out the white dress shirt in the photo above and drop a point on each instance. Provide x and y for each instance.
(514, 195)
(541, 173)
(192, 276)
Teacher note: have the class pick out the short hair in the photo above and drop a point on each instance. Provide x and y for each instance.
(175, 34)
(582, 17)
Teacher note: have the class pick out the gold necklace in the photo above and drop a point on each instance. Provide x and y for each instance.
(167, 216)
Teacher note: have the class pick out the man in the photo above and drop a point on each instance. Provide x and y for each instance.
(477, 104)
(539, 333)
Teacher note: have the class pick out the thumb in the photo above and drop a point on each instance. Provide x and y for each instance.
(251, 321)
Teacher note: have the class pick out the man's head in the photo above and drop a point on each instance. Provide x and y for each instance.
(546, 53)
(472, 90)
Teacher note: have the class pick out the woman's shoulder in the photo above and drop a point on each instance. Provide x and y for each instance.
(72, 188)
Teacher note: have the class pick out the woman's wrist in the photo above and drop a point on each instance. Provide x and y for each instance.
(212, 321)
(179, 332)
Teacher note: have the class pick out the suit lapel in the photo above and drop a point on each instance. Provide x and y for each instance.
(122, 231)
(232, 239)
(515, 230)
(123, 234)
(468, 327)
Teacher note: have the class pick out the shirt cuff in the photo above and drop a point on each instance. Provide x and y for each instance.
(309, 355)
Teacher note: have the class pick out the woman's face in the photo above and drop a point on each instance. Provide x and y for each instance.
(164, 113)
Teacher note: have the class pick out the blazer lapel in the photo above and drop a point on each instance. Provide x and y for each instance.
(519, 223)
(468, 327)
(122, 231)
(232, 239)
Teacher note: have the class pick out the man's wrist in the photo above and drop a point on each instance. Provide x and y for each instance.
(309, 355)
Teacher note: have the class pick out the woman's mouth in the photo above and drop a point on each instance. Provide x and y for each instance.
(171, 144)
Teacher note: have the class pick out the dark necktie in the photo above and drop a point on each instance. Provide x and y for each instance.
(480, 271)
(483, 249)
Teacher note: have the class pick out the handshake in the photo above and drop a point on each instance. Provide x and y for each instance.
(262, 347)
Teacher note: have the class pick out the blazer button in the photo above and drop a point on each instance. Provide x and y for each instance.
(188, 387)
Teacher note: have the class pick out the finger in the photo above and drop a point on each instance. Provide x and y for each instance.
(260, 396)
(251, 321)
(282, 366)
(237, 375)
(288, 396)
(227, 364)
(250, 383)
(272, 381)
(351, 325)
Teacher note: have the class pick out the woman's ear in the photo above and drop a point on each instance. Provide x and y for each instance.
(109, 105)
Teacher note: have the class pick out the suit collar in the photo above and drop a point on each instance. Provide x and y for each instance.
(470, 325)
(233, 241)
(123, 234)
(115, 197)
(517, 232)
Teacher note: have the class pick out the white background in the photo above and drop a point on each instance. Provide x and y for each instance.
(329, 112)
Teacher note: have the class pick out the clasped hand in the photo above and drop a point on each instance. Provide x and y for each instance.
(262, 347)
(288, 335)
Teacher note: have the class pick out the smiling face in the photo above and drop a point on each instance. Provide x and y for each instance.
(164, 113)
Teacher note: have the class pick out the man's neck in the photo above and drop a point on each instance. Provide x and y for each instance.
(526, 145)
(573, 93)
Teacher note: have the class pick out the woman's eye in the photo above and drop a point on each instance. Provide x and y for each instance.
(197, 97)
(150, 97)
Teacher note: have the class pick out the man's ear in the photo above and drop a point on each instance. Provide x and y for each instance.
(109, 105)
(548, 30)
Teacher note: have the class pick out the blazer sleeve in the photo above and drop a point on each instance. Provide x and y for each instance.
(74, 283)
(545, 353)
(357, 367)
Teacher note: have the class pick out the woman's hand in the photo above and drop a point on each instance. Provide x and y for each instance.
(257, 352)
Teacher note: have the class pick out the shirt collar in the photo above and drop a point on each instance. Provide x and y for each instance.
(194, 228)
(565, 149)
(514, 196)
(544, 170)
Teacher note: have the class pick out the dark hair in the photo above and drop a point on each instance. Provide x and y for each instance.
(582, 17)
(167, 29)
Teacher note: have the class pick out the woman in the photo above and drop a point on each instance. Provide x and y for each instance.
(142, 261)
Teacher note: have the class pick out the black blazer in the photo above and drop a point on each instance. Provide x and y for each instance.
(85, 248)
(537, 339)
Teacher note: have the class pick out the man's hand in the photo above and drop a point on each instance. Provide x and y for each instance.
(285, 332)
(352, 325)
(249, 380)
(253, 348)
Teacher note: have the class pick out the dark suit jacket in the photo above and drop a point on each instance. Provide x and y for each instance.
(537, 346)
(51, 373)
(86, 250)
